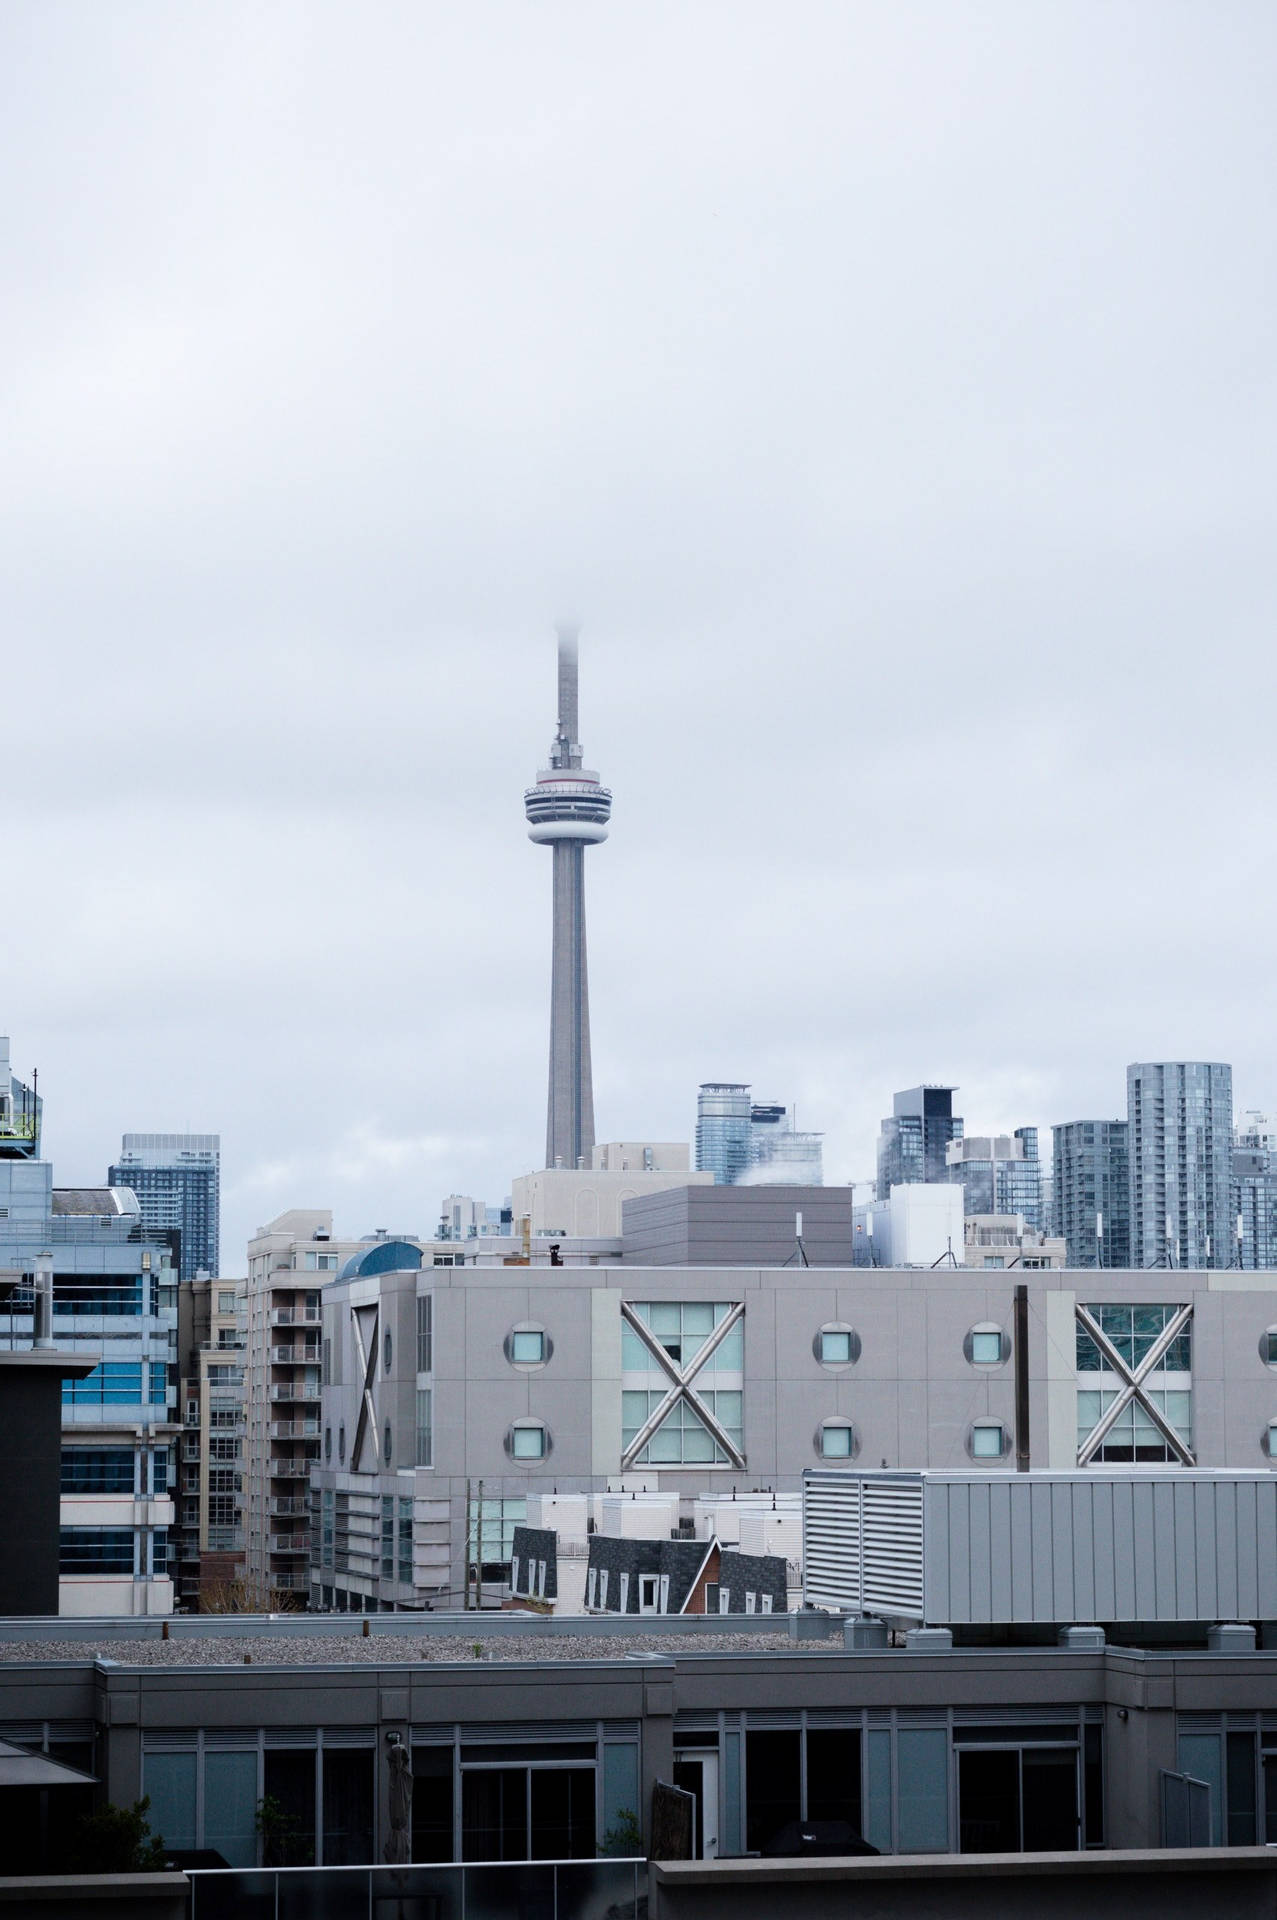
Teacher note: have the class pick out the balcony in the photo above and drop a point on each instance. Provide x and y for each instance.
(294, 1429)
(289, 1469)
(223, 1345)
(289, 1543)
(295, 1316)
(296, 1356)
(290, 1509)
(295, 1390)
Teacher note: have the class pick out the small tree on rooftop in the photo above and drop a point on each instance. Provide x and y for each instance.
(115, 1840)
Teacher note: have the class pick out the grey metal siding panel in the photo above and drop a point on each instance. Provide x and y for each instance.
(1085, 1516)
(1164, 1553)
(1247, 1550)
(1143, 1548)
(1206, 1583)
(980, 1497)
(1021, 1551)
(1062, 1550)
(1266, 1544)
(1124, 1607)
(964, 1573)
(999, 1497)
(1186, 1509)
(939, 1558)
(1226, 1556)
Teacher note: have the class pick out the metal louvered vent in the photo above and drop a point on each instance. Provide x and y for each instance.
(228, 1740)
(862, 1542)
(891, 1535)
(170, 1742)
(291, 1737)
(502, 1732)
(832, 1540)
(350, 1736)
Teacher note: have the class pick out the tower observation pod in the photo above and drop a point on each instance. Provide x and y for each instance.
(568, 810)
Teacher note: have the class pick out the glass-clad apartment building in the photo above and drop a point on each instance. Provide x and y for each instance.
(1092, 1195)
(176, 1177)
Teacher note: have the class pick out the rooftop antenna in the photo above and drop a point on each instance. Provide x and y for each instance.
(798, 1258)
(947, 1259)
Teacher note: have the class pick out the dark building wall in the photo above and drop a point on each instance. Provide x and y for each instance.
(30, 1486)
(756, 1573)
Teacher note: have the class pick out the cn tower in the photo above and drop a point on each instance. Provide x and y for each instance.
(568, 810)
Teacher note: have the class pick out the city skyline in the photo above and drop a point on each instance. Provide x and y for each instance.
(890, 443)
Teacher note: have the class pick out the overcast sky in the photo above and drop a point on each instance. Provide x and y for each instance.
(887, 388)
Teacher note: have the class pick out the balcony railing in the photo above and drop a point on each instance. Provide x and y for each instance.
(295, 1390)
(554, 1889)
(289, 1469)
(295, 1316)
(294, 1429)
(289, 1543)
(296, 1356)
(290, 1509)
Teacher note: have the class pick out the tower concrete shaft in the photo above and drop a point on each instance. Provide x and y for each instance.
(567, 811)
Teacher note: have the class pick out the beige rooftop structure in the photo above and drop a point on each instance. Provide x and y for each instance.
(586, 1202)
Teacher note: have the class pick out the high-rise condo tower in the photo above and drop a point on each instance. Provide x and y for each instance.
(568, 810)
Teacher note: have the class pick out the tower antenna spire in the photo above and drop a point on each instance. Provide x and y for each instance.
(568, 809)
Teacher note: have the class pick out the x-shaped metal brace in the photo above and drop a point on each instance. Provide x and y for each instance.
(367, 1351)
(681, 1387)
(1133, 1388)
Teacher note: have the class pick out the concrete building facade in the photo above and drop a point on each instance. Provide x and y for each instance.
(290, 1261)
(448, 1387)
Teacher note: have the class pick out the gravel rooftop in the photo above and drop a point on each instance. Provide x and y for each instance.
(382, 1649)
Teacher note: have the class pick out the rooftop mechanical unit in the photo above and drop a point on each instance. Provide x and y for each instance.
(972, 1548)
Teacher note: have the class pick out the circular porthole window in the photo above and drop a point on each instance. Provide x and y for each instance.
(527, 1345)
(836, 1344)
(835, 1439)
(527, 1441)
(1268, 1347)
(988, 1440)
(986, 1345)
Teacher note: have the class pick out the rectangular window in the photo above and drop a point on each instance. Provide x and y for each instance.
(405, 1542)
(765, 1601)
(835, 1348)
(225, 1302)
(527, 1347)
(987, 1441)
(97, 1470)
(603, 1587)
(724, 1599)
(835, 1442)
(591, 1587)
(986, 1349)
(425, 1434)
(425, 1338)
(649, 1589)
(751, 1602)
(623, 1602)
(96, 1550)
(527, 1443)
(922, 1773)
(222, 1447)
